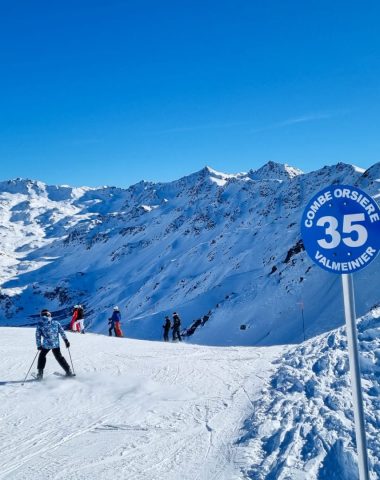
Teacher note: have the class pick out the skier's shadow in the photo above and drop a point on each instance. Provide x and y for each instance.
(14, 382)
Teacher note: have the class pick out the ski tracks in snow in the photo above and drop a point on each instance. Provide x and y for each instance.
(136, 410)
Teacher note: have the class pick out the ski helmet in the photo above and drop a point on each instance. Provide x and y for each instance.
(116, 308)
(45, 313)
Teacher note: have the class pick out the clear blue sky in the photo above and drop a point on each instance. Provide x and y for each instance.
(111, 92)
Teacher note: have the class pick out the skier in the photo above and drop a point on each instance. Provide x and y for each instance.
(176, 327)
(50, 330)
(166, 328)
(77, 320)
(114, 323)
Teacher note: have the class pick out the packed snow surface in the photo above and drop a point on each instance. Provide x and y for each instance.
(148, 410)
(137, 410)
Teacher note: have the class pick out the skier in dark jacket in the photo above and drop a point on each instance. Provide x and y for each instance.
(166, 326)
(49, 330)
(114, 323)
(176, 327)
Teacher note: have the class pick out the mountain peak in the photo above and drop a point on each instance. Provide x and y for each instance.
(22, 186)
(275, 171)
(206, 174)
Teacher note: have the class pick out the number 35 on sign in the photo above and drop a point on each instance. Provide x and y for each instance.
(341, 229)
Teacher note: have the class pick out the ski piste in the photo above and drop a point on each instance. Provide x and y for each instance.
(185, 411)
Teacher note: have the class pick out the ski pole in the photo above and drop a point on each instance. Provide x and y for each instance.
(71, 360)
(26, 376)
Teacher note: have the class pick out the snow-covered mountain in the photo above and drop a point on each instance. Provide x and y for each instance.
(209, 241)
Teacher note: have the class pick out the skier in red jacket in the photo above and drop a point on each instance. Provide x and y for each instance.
(77, 320)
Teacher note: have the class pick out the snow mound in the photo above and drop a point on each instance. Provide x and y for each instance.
(302, 426)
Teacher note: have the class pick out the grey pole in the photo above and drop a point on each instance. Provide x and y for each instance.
(357, 396)
(303, 325)
(30, 368)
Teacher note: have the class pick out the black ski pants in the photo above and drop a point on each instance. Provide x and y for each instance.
(58, 356)
(110, 331)
(166, 335)
(176, 334)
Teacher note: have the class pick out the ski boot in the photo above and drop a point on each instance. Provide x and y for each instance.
(69, 373)
(40, 375)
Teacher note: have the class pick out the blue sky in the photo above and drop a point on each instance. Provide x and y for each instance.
(111, 92)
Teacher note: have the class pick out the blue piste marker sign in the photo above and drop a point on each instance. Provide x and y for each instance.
(340, 229)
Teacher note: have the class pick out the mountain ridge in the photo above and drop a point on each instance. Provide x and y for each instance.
(227, 243)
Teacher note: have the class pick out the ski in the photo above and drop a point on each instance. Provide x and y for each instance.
(63, 375)
(57, 374)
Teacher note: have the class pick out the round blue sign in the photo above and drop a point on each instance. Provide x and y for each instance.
(341, 229)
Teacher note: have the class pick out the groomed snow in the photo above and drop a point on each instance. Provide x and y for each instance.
(149, 410)
(137, 410)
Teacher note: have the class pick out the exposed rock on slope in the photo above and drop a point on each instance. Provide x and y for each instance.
(208, 241)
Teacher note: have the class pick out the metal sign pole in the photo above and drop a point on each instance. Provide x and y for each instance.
(340, 229)
(353, 351)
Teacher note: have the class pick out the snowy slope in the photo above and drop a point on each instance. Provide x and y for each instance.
(140, 410)
(137, 410)
(229, 243)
